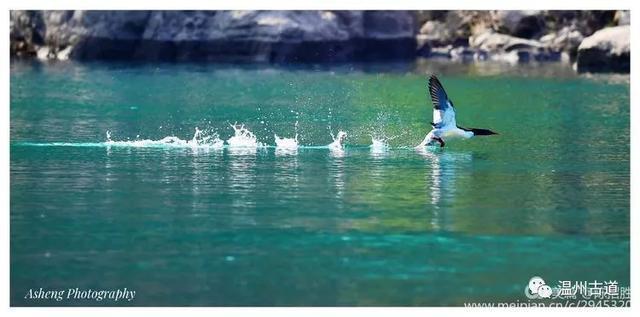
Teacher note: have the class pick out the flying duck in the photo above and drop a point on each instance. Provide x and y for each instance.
(444, 118)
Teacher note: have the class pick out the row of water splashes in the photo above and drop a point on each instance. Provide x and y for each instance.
(241, 139)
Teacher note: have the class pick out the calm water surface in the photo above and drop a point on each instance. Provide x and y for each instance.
(187, 225)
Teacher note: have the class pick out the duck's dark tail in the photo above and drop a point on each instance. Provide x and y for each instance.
(479, 131)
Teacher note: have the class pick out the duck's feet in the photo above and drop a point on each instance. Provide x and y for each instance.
(440, 140)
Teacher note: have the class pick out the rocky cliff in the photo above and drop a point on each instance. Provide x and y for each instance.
(269, 36)
(325, 36)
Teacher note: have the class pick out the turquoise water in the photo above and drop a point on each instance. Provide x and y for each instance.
(183, 222)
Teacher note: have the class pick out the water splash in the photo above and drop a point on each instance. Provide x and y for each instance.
(287, 146)
(202, 139)
(379, 146)
(286, 143)
(337, 144)
(243, 138)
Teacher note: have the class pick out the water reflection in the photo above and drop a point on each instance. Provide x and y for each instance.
(205, 175)
(336, 173)
(287, 174)
(285, 151)
(241, 182)
(493, 68)
(444, 169)
(337, 153)
(377, 166)
(240, 151)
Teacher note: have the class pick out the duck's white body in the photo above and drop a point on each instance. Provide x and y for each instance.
(446, 134)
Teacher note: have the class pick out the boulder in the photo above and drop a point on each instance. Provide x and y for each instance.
(448, 28)
(584, 21)
(432, 38)
(566, 40)
(606, 50)
(465, 23)
(519, 23)
(492, 41)
(503, 47)
(434, 33)
(44, 53)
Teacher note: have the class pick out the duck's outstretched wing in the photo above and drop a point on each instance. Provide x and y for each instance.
(444, 114)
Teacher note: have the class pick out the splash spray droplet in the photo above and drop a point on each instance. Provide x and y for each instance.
(243, 137)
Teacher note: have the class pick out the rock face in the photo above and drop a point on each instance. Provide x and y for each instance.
(606, 50)
(622, 17)
(26, 35)
(493, 41)
(510, 48)
(566, 39)
(270, 36)
(513, 36)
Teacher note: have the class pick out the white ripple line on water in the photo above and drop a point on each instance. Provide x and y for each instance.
(160, 144)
